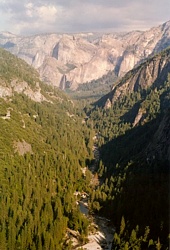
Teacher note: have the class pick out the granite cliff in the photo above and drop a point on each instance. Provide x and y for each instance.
(67, 60)
(17, 77)
(149, 74)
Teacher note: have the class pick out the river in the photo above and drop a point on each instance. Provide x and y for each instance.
(103, 235)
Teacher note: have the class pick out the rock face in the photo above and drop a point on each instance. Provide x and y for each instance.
(22, 87)
(152, 72)
(84, 57)
(139, 117)
(22, 147)
(23, 81)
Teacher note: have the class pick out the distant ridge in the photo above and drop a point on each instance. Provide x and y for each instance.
(150, 74)
(84, 57)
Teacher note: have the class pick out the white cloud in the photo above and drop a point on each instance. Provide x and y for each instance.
(44, 13)
(30, 17)
(29, 9)
(47, 13)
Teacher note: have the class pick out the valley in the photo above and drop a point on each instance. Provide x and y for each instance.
(99, 127)
(133, 119)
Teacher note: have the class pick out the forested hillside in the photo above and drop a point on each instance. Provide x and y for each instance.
(134, 145)
(43, 148)
(46, 142)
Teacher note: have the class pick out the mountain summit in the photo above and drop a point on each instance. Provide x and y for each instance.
(67, 60)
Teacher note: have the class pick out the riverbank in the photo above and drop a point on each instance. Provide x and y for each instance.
(102, 238)
(102, 234)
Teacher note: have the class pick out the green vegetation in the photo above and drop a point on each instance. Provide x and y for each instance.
(106, 80)
(92, 91)
(113, 122)
(13, 68)
(134, 179)
(43, 148)
(134, 240)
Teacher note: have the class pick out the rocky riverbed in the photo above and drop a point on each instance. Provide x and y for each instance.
(102, 235)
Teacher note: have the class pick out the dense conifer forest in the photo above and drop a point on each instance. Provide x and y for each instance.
(45, 147)
(134, 190)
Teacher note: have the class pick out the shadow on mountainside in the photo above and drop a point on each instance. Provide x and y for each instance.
(139, 162)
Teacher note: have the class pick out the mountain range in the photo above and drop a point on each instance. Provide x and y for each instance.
(68, 60)
(149, 74)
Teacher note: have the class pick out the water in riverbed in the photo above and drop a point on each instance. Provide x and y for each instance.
(102, 238)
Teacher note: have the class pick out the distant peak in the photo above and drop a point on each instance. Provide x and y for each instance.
(7, 34)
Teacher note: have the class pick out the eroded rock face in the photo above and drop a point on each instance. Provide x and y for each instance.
(108, 104)
(139, 116)
(22, 147)
(7, 90)
(152, 72)
(85, 57)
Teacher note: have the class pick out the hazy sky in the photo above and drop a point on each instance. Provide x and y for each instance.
(41, 16)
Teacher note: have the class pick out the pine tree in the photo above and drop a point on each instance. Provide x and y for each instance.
(158, 244)
(122, 225)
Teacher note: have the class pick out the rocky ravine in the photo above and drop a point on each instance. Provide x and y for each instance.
(67, 60)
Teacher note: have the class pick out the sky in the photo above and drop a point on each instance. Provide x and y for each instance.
(28, 17)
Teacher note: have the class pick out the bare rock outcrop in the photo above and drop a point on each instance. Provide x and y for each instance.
(108, 104)
(150, 73)
(139, 117)
(22, 147)
(7, 90)
(86, 57)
